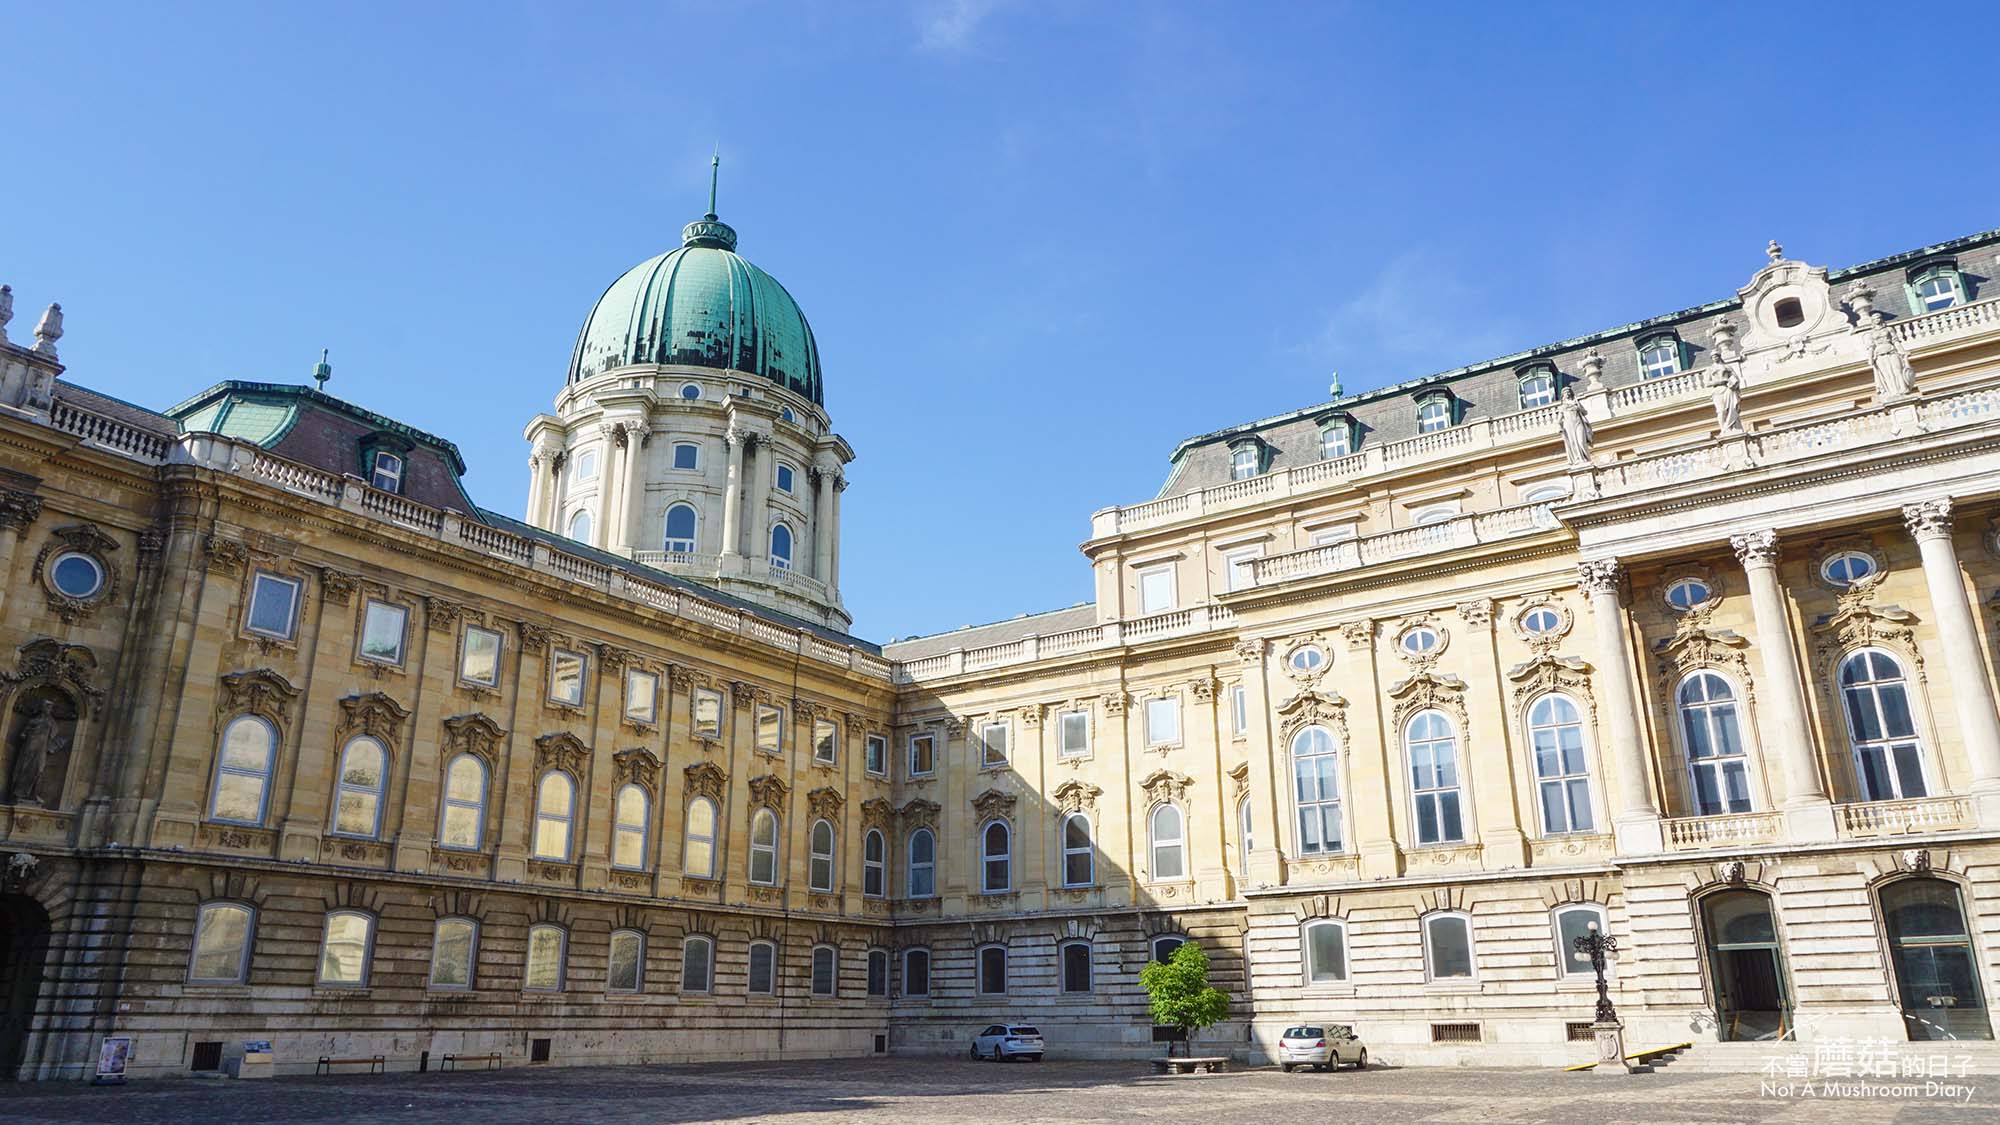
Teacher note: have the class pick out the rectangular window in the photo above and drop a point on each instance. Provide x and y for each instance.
(1076, 967)
(687, 456)
(993, 744)
(1073, 728)
(343, 949)
(916, 972)
(1448, 945)
(1163, 721)
(545, 959)
(382, 628)
(923, 754)
(763, 958)
(878, 754)
(1239, 711)
(770, 729)
(453, 943)
(707, 713)
(566, 677)
(274, 606)
(642, 690)
(878, 972)
(479, 658)
(992, 971)
(1239, 567)
(387, 472)
(1156, 590)
(628, 955)
(221, 944)
(826, 741)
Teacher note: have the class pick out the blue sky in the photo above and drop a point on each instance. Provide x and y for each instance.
(1039, 242)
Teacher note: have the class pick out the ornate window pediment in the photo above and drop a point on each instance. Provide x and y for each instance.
(373, 714)
(1165, 785)
(1547, 673)
(769, 791)
(877, 812)
(473, 733)
(1427, 690)
(706, 779)
(636, 765)
(561, 750)
(992, 803)
(1694, 645)
(258, 691)
(1313, 708)
(1077, 796)
(825, 802)
(64, 665)
(1857, 622)
(919, 813)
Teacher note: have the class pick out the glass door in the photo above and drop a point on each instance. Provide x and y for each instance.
(1747, 966)
(1937, 977)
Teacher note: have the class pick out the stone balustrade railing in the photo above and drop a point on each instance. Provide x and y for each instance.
(1698, 833)
(108, 433)
(1406, 542)
(1111, 634)
(1896, 818)
(1918, 331)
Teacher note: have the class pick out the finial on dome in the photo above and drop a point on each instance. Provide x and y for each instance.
(1775, 251)
(1334, 389)
(322, 371)
(714, 169)
(709, 230)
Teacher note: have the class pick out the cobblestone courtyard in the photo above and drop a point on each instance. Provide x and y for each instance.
(956, 1090)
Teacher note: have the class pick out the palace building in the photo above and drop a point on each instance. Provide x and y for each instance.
(1686, 629)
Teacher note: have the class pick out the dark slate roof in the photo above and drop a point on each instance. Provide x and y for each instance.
(1484, 390)
(1042, 624)
(303, 393)
(118, 408)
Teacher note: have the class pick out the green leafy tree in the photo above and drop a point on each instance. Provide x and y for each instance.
(1180, 993)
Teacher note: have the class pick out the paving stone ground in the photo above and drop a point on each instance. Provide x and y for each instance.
(957, 1090)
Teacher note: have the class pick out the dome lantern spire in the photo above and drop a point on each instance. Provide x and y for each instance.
(709, 230)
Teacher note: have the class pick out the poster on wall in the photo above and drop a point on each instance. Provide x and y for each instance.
(112, 1058)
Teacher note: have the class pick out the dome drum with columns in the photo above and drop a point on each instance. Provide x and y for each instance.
(691, 435)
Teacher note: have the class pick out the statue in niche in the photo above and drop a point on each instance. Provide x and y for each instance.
(44, 723)
(1575, 430)
(1893, 377)
(1725, 391)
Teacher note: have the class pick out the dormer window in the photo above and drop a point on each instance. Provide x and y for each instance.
(1936, 286)
(385, 460)
(1336, 438)
(1433, 413)
(1659, 357)
(1246, 461)
(1538, 386)
(387, 471)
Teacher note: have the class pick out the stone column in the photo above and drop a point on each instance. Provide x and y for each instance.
(732, 497)
(1785, 726)
(1204, 835)
(637, 440)
(18, 509)
(1635, 821)
(552, 486)
(1265, 855)
(823, 494)
(1965, 665)
(758, 512)
(833, 560)
(602, 533)
(538, 483)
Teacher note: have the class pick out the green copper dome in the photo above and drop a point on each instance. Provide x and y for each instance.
(704, 306)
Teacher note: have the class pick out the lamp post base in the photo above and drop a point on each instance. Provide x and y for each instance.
(1610, 1049)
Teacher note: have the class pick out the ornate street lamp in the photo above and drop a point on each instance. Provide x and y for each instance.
(1595, 947)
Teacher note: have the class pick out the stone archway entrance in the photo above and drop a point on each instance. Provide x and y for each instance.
(1747, 965)
(1937, 973)
(24, 946)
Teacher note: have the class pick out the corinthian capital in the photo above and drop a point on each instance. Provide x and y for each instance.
(1598, 576)
(1759, 548)
(1930, 519)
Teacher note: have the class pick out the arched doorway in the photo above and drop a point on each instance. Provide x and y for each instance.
(1747, 965)
(24, 945)
(1937, 976)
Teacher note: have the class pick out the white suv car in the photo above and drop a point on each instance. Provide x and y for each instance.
(1008, 1041)
(1321, 1047)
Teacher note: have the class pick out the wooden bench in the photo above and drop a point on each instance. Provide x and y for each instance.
(1209, 1063)
(376, 1064)
(451, 1061)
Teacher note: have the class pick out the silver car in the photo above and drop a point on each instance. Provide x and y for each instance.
(1003, 1041)
(1321, 1046)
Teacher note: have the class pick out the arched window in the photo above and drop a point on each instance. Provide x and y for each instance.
(681, 519)
(548, 946)
(916, 972)
(1538, 387)
(698, 846)
(819, 865)
(1336, 439)
(1659, 357)
(874, 863)
(922, 880)
(1325, 942)
(697, 963)
(878, 972)
(1555, 734)
(764, 848)
(221, 953)
(464, 803)
(1316, 788)
(1714, 745)
(632, 813)
(243, 771)
(996, 853)
(579, 525)
(763, 968)
(625, 962)
(825, 975)
(1165, 944)
(344, 948)
(1433, 751)
(364, 771)
(1888, 756)
(1244, 462)
(781, 546)
(1433, 414)
(993, 970)
(454, 950)
(1078, 853)
(1937, 973)
(555, 806)
(1448, 946)
(1169, 841)
(1936, 288)
(1571, 923)
(1076, 966)
(1243, 839)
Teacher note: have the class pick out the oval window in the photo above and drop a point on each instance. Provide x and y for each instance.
(76, 575)
(1540, 621)
(1688, 593)
(690, 390)
(1847, 567)
(1308, 658)
(1420, 640)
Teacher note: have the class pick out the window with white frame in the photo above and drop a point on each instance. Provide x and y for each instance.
(1156, 589)
(1325, 944)
(1073, 733)
(1448, 946)
(364, 773)
(1336, 439)
(386, 472)
(1433, 754)
(923, 754)
(1239, 567)
(642, 695)
(555, 813)
(993, 744)
(1562, 776)
(1167, 834)
(819, 862)
(1845, 568)
(1659, 357)
(274, 606)
(1541, 621)
(874, 863)
(566, 672)
(586, 466)
(382, 629)
(221, 950)
(1573, 922)
(1079, 854)
(993, 970)
(697, 964)
(770, 728)
(548, 949)
(1888, 755)
(682, 521)
(785, 477)
(825, 978)
(706, 705)
(464, 824)
(1938, 287)
(826, 741)
(343, 949)
(916, 972)
(1165, 944)
(781, 547)
(878, 972)
(1163, 720)
(1076, 967)
(687, 455)
(1687, 593)
(579, 525)
(996, 854)
(1433, 414)
(876, 749)
(1538, 387)
(454, 948)
(920, 881)
(242, 786)
(1316, 789)
(698, 841)
(1239, 711)
(763, 969)
(690, 391)
(625, 962)
(1245, 461)
(479, 656)
(764, 848)
(631, 827)
(1244, 842)
(1714, 743)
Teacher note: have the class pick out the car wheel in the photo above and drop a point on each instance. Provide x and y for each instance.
(974, 1052)
(1361, 1061)
(1321, 1067)
(1286, 1067)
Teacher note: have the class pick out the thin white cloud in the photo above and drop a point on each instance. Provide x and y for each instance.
(950, 26)
(1419, 315)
